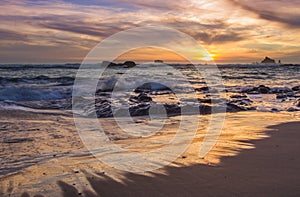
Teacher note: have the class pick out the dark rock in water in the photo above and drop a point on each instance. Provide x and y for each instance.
(280, 90)
(139, 110)
(292, 109)
(231, 107)
(290, 94)
(142, 97)
(281, 96)
(202, 89)
(263, 89)
(296, 88)
(238, 96)
(298, 103)
(150, 87)
(250, 90)
(158, 61)
(205, 109)
(256, 90)
(172, 109)
(129, 63)
(268, 60)
(234, 108)
(243, 102)
(274, 110)
(204, 100)
(100, 107)
(156, 109)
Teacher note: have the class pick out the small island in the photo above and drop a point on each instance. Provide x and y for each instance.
(268, 60)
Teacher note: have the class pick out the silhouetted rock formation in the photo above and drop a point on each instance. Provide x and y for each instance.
(158, 61)
(129, 63)
(268, 60)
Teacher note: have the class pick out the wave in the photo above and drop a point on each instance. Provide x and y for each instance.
(33, 94)
(39, 80)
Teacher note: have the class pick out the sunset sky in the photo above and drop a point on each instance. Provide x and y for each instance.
(233, 31)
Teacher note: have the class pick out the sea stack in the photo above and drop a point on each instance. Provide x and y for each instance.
(268, 60)
(158, 61)
(129, 64)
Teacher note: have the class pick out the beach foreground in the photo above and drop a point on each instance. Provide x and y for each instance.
(44, 156)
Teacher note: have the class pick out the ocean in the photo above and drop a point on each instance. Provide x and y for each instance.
(49, 87)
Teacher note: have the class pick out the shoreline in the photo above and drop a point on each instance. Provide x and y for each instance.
(241, 134)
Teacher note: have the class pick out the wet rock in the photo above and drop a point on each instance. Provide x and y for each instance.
(268, 60)
(150, 87)
(292, 109)
(263, 89)
(280, 90)
(274, 110)
(202, 89)
(204, 100)
(234, 108)
(297, 94)
(129, 63)
(246, 102)
(142, 97)
(281, 96)
(139, 110)
(250, 90)
(238, 96)
(205, 109)
(298, 103)
(290, 94)
(172, 109)
(296, 88)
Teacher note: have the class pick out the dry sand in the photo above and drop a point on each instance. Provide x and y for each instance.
(251, 158)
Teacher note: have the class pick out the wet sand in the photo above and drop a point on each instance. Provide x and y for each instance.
(251, 158)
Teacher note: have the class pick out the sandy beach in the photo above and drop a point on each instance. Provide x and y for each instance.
(256, 155)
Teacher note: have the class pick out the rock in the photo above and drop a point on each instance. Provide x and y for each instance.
(205, 109)
(281, 96)
(202, 89)
(234, 108)
(290, 94)
(268, 60)
(172, 109)
(263, 89)
(142, 97)
(158, 61)
(292, 109)
(280, 90)
(250, 90)
(298, 103)
(150, 87)
(129, 64)
(296, 88)
(139, 110)
(256, 90)
(246, 102)
(238, 96)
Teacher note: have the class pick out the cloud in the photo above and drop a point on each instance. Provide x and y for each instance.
(223, 26)
(285, 12)
(7, 35)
